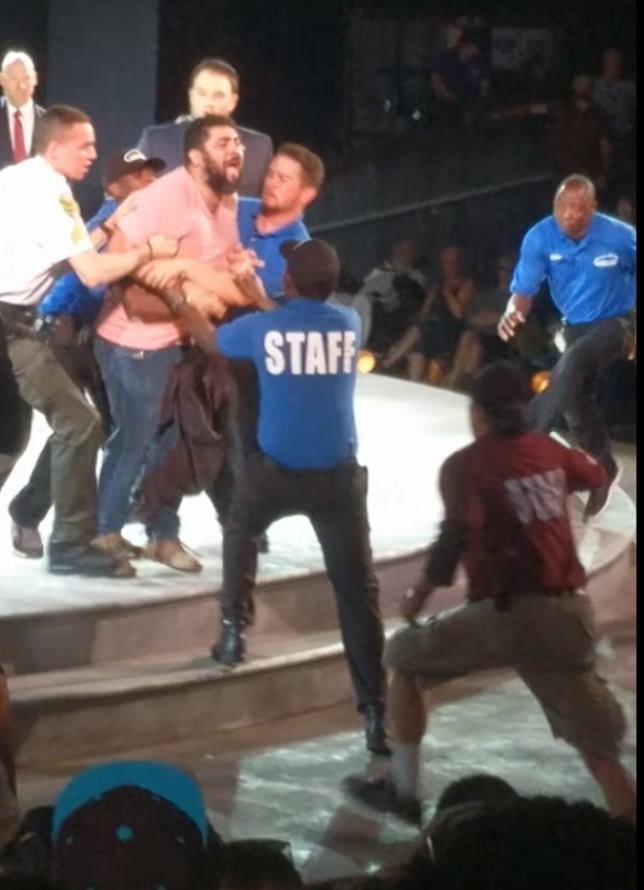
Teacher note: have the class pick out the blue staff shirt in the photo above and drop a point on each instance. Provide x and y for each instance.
(69, 295)
(589, 280)
(267, 247)
(305, 355)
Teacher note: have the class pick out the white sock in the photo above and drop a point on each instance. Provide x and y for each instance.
(405, 769)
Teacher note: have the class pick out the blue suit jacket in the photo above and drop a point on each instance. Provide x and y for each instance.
(165, 141)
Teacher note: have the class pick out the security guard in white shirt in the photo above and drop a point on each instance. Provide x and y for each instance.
(41, 236)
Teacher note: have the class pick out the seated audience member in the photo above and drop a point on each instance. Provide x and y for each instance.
(437, 330)
(213, 89)
(133, 824)
(626, 210)
(616, 96)
(480, 337)
(460, 80)
(257, 865)
(381, 284)
(578, 139)
(348, 294)
(69, 311)
(534, 843)
(18, 111)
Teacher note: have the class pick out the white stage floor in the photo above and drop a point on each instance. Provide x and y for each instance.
(406, 431)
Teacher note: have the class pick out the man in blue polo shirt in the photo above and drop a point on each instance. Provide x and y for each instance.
(590, 262)
(293, 180)
(305, 355)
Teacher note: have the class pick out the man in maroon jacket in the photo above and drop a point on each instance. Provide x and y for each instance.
(506, 520)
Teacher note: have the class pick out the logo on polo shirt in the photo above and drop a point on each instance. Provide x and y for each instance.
(606, 260)
(556, 257)
(310, 353)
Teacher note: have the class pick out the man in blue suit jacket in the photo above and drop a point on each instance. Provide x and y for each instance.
(214, 89)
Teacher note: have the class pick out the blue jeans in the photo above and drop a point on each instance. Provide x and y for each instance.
(135, 381)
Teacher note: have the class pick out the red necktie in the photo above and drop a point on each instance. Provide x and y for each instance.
(19, 150)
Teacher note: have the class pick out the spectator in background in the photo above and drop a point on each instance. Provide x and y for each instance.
(213, 89)
(480, 336)
(18, 111)
(626, 210)
(578, 137)
(616, 96)
(9, 810)
(348, 293)
(460, 81)
(437, 330)
(68, 311)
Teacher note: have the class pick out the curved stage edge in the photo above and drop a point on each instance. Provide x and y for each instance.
(122, 661)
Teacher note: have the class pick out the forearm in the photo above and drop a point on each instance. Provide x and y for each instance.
(201, 331)
(105, 268)
(444, 555)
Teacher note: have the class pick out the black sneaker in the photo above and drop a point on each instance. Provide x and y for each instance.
(82, 559)
(381, 795)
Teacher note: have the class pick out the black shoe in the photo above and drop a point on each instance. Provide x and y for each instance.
(381, 795)
(598, 498)
(82, 559)
(231, 648)
(374, 731)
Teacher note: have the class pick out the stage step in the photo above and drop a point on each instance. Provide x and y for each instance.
(101, 710)
(104, 710)
(95, 635)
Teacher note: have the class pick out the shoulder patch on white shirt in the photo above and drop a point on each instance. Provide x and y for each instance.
(606, 260)
(72, 210)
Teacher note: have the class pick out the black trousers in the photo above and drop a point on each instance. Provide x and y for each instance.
(335, 501)
(572, 392)
(32, 503)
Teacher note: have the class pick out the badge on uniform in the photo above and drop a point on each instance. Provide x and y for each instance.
(72, 210)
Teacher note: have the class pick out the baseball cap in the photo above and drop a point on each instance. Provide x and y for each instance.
(130, 824)
(128, 160)
(313, 267)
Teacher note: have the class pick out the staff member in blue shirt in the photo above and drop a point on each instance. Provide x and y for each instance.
(589, 261)
(305, 355)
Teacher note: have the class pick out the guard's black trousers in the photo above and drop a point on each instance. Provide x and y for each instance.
(335, 501)
(572, 391)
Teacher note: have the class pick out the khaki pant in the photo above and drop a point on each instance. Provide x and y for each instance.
(77, 436)
(548, 641)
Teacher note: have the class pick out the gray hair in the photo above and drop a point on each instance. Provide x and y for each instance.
(17, 56)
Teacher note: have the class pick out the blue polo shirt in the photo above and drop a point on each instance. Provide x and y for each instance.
(589, 280)
(267, 247)
(305, 355)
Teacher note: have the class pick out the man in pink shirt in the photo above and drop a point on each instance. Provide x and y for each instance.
(138, 341)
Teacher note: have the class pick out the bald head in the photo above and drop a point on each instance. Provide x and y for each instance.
(574, 206)
(18, 78)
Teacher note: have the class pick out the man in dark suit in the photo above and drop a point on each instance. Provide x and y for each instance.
(18, 111)
(214, 89)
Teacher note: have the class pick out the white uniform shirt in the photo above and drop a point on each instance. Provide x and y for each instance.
(40, 228)
(28, 119)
